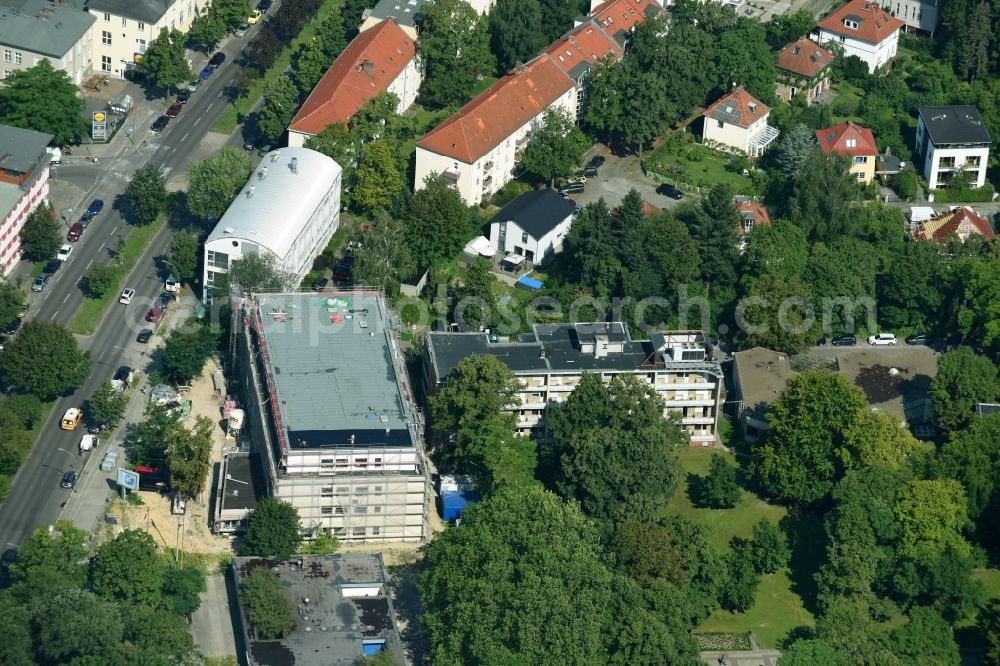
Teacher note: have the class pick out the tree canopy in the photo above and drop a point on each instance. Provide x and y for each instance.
(963, 379)
(147, 194)
(165, 60)
(454, 48)
(65, 368)
(43, 99)
(214, 182)
(556, 148)
(272, 530)
(41, 235)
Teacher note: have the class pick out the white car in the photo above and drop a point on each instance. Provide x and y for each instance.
(882, 339)
(64, 252)
(172, 285)
(126, 297)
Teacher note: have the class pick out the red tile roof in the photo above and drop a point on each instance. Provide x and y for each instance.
(650, 210)
(482, 124)
(962, 221)
(847, 139)
(804, 57)
(585, 43)
(753, 211)
(365, 68)
(874, 23)
(738, 108)
(615, 16)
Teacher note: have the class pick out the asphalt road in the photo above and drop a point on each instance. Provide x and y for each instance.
(35, 497)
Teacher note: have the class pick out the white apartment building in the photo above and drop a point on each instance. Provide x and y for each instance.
(123, 29)
(918, 15)
(952, 140)
(550, 362)
(289, 209)
(36, 30)
(739, 121)
(24, 185)
(864, 29)
(409, 14)
(331, 415)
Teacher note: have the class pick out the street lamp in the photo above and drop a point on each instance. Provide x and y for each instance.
(64, 217)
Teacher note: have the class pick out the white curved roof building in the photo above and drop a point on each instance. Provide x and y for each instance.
(290, 207)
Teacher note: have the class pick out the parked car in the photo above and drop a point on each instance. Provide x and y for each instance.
(242, 30)
(40, 282)
(597, 161)
(844, 341)
(68, 480)
(194, 85)
(15, 324)
(670, 191)
(264, 149)
(144, 336)
(52, 266)
(159, 124)
(217, 59)
(882, 339)
(918, 339)
(183, 96)
(64, 252)
(127, 296)
(207, 71)
(172, 285)
(264, 5)
(93, 210)
(578, 178)
(589, 172)
(155, 314)
(74, 232)
(572, 188)
(319, 284)
(174, 110)
(250, 143)
(124, 374)
(254, 16)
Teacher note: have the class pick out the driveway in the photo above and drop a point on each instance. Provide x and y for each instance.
(617, 176)
(212, 624)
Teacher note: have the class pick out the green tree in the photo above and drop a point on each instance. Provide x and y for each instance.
(272, 530)
(932, 515)
(626, 102)
(185, 252)
(978, 315)
(798, 461)
(267, 606)
(782, 30)
(214, 182)
(904, 184)
(383, 259)
(719, 489)
(12, 303)
(147, 194)
(810, 651)
(190, 455)
(165, 60)
(823, 197)
(278, 107)
(316, 56)
(768, 548)
(182, 588)
(489, 573)
(206, 30)
(28, 408)
(156, 635)
(144, 441)
(186, 351)
(45, 100)
(740, 587)
(65, 367)
(989, 625)
(515, 32)
(107, 404)
(794, 150)
(41, 234)
(16, 645)
(972, 456)
(925, 639)
(378, 180)
(476, 294)
(777, 313)
(64, 625)
(909, 294)
(128, 569)
(48, 561)
(557, 18)
(713, 227)
(323, 544)
(876, 438)
(438, 223)
(745, 57)
(258, 272)
(963, 379)
(102, 279)
(230, 13)
(556, 148)
(454, 48)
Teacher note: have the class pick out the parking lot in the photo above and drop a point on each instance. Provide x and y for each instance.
(617, 176)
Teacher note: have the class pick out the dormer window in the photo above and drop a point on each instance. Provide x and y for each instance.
(852, 25)
(747, 224)
(752, 106)
(796, 50)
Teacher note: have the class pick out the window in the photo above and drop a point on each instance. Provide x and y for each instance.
(848, 23)
(140, 46)
(142, 26)
(326, 461)
(861, 159)
(524, 236)
(221, 260)
(326, 510)
(720, 124)
(7, 55)
(326, 492)
(851, 143)
(340, 511)
(124, 22)
(342, 490)
(359, 531)
(361, 490)
(378, 489)
(360, 509)
(105, 63)
(105, 37)
(17, 57)
(377, 509)
(860, 176)
(375, 531)
(107, 16)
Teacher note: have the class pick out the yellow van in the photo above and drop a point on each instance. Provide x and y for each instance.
(71, 419)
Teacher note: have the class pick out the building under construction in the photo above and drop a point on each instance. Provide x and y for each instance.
(331, 414)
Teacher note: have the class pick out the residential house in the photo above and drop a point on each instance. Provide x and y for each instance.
(578, 51)
(477, 149)
(618, 18)
(123, 29)
(24, 185)
(855, 142)
(803, 68)
(532, 226)
(383, 59)
(550, 361)
(36, 30)
(739, 121)
(952, 140)
(759, 378)
(409, 14)
(752, 214)
(919, 15)
(961, 221)
(864, 29)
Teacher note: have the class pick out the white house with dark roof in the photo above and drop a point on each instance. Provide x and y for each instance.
(951, 140)
(36, 30)
(532, 225)
(124, 28)
(739, 120)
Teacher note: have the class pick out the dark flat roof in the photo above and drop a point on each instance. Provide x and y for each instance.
(21, 149)
(537, 212)
(954, 124)
(147, 11)
(238, 491)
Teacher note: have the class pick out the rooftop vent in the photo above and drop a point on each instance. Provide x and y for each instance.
(294, 165)
(275, 155)
(262, 174)
(250, 191)
(228, 230)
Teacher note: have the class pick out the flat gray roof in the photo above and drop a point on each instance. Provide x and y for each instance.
(404, 11)
(762, 375)
(147, 11)
(331, 629)
(21, 149)
(334, 368)
(239, 490)
(960, 123)
(42, 27)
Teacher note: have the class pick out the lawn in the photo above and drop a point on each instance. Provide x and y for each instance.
(695, 165)
(845, 106)
(779, 607)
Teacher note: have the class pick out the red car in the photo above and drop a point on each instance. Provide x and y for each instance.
(154, 314)
(174, 110)
(74, 232)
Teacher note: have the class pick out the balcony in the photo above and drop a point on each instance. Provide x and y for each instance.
(488, 166)
(520, 143)
(487, 180)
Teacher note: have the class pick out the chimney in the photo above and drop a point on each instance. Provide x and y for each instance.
(367, 66)
(518, 67)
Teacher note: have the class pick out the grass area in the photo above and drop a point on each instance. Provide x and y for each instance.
(845, 106)
(696, 165)
(92, 310)
(236, 112)
(779, 606)
(31, 437)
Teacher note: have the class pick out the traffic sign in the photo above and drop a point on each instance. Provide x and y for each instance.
(128, 479)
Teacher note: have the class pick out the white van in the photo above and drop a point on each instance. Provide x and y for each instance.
(882, 339)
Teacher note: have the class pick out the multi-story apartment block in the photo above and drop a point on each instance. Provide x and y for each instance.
(24, 184)
(550, 362)
(919, 15)
(330, 413)
(33, 30)
(123, 29)
(952, 140)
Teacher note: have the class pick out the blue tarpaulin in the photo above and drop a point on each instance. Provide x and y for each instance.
(453, 502)
(529, 283)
